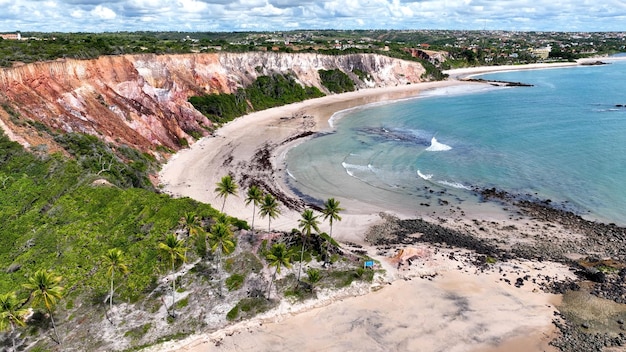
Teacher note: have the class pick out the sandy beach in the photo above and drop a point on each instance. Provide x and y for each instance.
(441, 302)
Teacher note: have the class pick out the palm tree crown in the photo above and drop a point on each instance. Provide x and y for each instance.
(11, 311)
(175, 252)
(269, 208)
(44, 287)
(307, 222)
(114, 262)
(173, 249)
(331, 211)
(278, 256)
(191, 222)
(222, 242)
(226, 187)
(254, 196)
(11, 314)
(221, 239)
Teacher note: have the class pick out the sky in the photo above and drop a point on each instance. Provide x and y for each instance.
(280, 15)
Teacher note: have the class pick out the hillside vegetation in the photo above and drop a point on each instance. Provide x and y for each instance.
(264, 93)
(63, 219)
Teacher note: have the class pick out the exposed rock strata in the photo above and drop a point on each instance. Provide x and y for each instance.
(141, 100)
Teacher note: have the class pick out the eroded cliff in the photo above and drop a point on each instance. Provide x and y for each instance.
(141, 100)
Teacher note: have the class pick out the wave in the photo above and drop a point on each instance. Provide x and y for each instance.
(351, 168)
(291, 175)
(424, 176)
(436, 146)
(455, 185)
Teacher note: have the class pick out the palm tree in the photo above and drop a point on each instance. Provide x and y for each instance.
(331, 211)
(114, 262)
(226, 187)
(278, 257)
(11, 314)
(191, 222)
(254, 196)
(222, 242)
(44, 287)
(269, 208)
(307, 222)
(175, 252)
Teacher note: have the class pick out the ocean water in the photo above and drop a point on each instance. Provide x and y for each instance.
(563, 139)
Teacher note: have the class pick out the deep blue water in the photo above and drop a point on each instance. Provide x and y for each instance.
(563, 139)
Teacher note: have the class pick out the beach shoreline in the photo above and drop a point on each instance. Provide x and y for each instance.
(253, 148)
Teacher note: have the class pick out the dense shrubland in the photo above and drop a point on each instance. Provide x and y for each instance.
(265, 92)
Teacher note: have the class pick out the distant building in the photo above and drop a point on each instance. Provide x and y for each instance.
(542, 53)
(11, 36)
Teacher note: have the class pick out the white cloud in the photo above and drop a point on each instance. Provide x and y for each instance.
(103, 12)
(228, 15)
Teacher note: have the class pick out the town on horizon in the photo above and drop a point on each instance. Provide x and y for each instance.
(443, 48)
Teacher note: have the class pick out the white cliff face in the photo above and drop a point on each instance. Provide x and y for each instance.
(141, 100)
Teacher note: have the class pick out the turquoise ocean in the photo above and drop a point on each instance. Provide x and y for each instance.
(562, 139)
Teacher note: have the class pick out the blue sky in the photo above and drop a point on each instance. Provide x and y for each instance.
(261, 15)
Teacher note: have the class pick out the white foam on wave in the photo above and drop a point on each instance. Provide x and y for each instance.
(454, 185)
(424, 176)
(291, 175)
(436, 146)
(351, 168)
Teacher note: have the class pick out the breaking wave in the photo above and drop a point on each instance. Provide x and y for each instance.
(424, 176)
(436, 146)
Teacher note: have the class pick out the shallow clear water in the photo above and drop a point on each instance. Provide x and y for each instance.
(563, 139)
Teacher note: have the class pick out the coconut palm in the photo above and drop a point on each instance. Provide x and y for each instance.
(278, 257)
(11, 314)
(191, 222)
(307, 223)
(331, 212)
(269, 208)
(254, 196)
(175, 252)
(226, 187)
(222, 242)
(44, 288)
(114, 262)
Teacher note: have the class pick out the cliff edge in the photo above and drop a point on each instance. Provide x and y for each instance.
(141, 100)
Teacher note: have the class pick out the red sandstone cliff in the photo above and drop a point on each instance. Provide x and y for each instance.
(141, 100)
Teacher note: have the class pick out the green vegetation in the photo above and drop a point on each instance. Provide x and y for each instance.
(174, 252)
(110, 242)
(269, 208)
(120, 165)
(264, 93)
(234, 282)
(222, 242)
(254, 196)
(307, 223)
(226, 187)
(248, 307)
(138, 332)
(336, 81)
(278, 256)
(52, 216)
